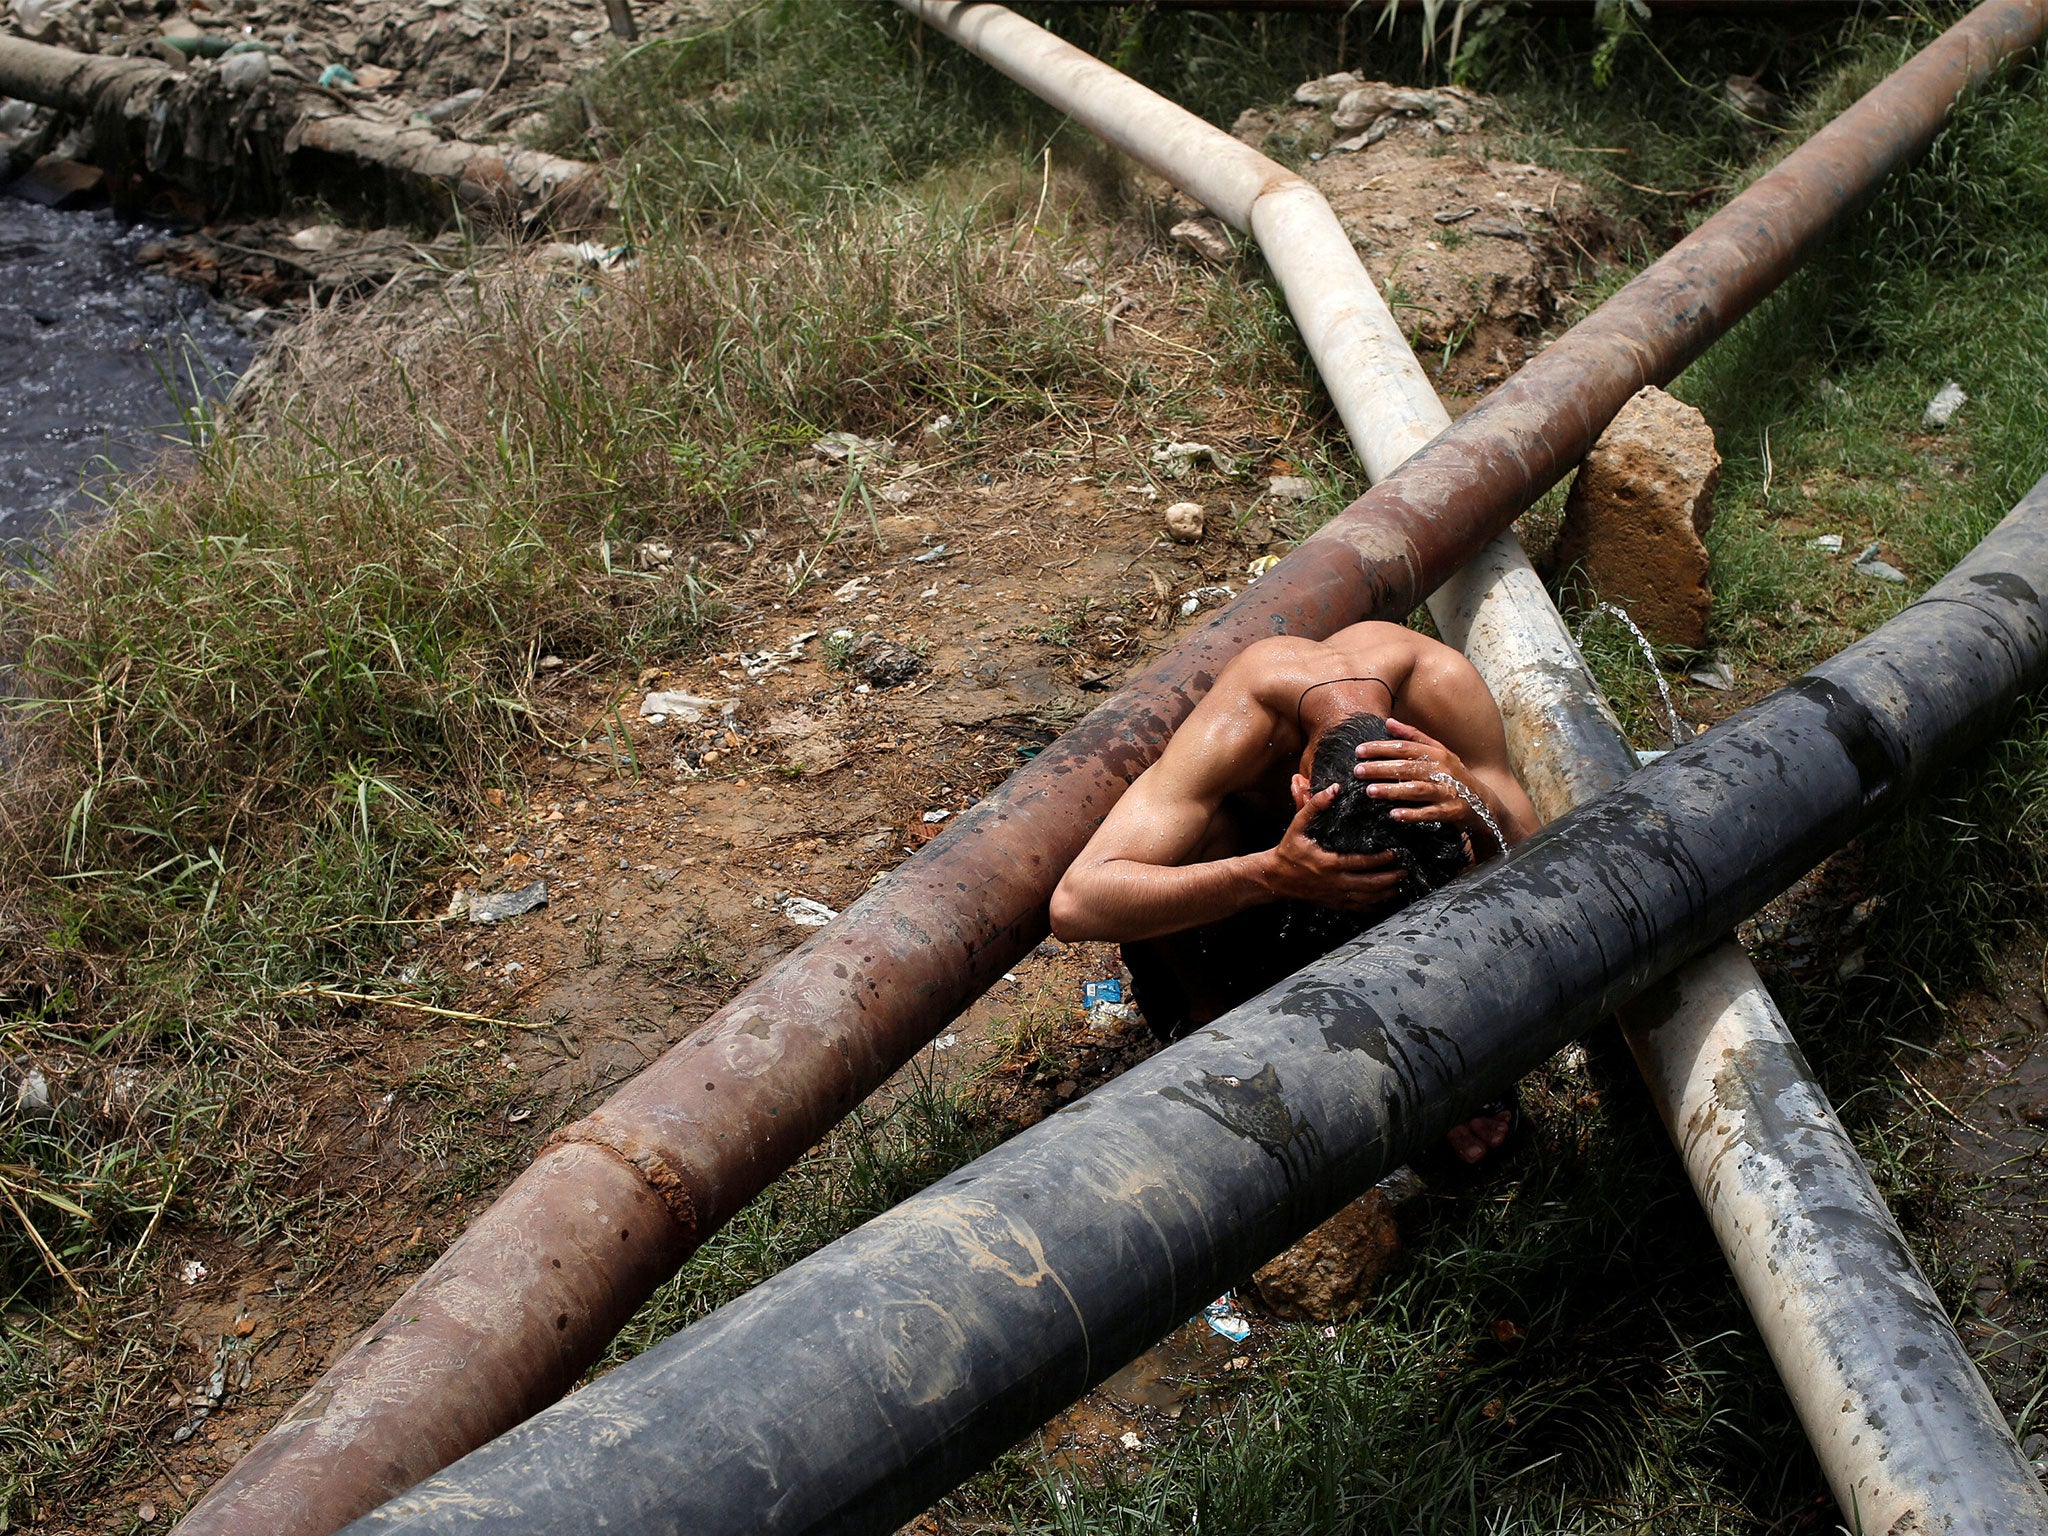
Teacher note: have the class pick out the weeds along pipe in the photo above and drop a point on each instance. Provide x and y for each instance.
(525, 1300)
(848, 1392)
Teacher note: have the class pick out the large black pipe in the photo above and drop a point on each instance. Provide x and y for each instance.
(848, 1392)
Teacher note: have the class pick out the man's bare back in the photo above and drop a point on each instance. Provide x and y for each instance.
(1206, 871)
(1169, 857)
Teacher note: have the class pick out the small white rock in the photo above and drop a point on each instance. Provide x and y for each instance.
(1185, 521)
(1829, 544)
(684, 707)
(1291, 488)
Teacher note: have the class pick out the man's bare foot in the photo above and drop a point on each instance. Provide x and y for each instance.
(1473, 1140)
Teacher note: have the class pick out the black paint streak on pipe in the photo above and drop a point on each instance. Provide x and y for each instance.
(852, 1389)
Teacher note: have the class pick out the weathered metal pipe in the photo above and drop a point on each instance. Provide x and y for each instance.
(509, 1317)
(1819, 1258)
(858, 1385)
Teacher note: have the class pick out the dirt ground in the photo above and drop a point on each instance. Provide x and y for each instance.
(960, 621)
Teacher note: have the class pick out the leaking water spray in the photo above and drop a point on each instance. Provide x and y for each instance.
(1466, 793)
(1681, 733)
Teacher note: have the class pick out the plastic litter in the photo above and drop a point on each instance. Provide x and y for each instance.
(1094, 994)
(1867, 564)
(206, 46)
(686, 708)
(806, 913)
(34, 1097)
(1225, 1323)
(851, 448)
(244, 71)
(1175, 459)
(500, 905)
(1717, 675)
(337, 77)
(1941, 410)
(1828, 544)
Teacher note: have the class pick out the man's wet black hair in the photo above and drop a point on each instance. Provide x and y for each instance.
(1356, 822)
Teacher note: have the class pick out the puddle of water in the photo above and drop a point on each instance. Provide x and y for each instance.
(92, 344)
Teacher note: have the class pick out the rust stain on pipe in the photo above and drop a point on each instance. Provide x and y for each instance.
(528, 1297)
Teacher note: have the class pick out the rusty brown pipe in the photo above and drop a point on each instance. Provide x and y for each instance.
(526, 1299)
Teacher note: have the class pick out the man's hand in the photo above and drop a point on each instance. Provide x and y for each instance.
(1305, 870)
(1399, 769)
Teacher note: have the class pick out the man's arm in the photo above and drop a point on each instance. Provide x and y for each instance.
(1157, 864)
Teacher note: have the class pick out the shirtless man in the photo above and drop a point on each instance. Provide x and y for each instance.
(1207, 871)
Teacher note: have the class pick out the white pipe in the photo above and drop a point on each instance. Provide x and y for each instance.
(1888, 1396)
(1379, 388)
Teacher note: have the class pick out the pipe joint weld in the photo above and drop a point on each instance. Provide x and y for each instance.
(648, 1163)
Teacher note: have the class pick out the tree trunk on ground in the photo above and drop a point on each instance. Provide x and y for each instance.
(247, 138)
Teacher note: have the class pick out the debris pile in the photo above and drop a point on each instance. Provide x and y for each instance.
(1480, 250)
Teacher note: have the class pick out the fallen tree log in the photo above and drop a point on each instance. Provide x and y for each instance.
(242, 136)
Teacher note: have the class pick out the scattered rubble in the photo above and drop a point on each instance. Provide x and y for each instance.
(1481, 249)
(1634, 520)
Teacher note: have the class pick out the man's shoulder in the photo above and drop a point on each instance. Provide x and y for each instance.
(1274, 662)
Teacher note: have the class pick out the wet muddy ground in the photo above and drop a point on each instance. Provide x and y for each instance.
(99, 360)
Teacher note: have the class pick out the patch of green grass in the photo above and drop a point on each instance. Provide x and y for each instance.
(918, 1130)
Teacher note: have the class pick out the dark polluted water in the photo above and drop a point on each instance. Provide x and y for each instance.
(99, 358)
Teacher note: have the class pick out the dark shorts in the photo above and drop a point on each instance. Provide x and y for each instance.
(1183, 980)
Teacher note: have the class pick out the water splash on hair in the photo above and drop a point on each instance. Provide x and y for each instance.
(1681, 733)
(1479, 808)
